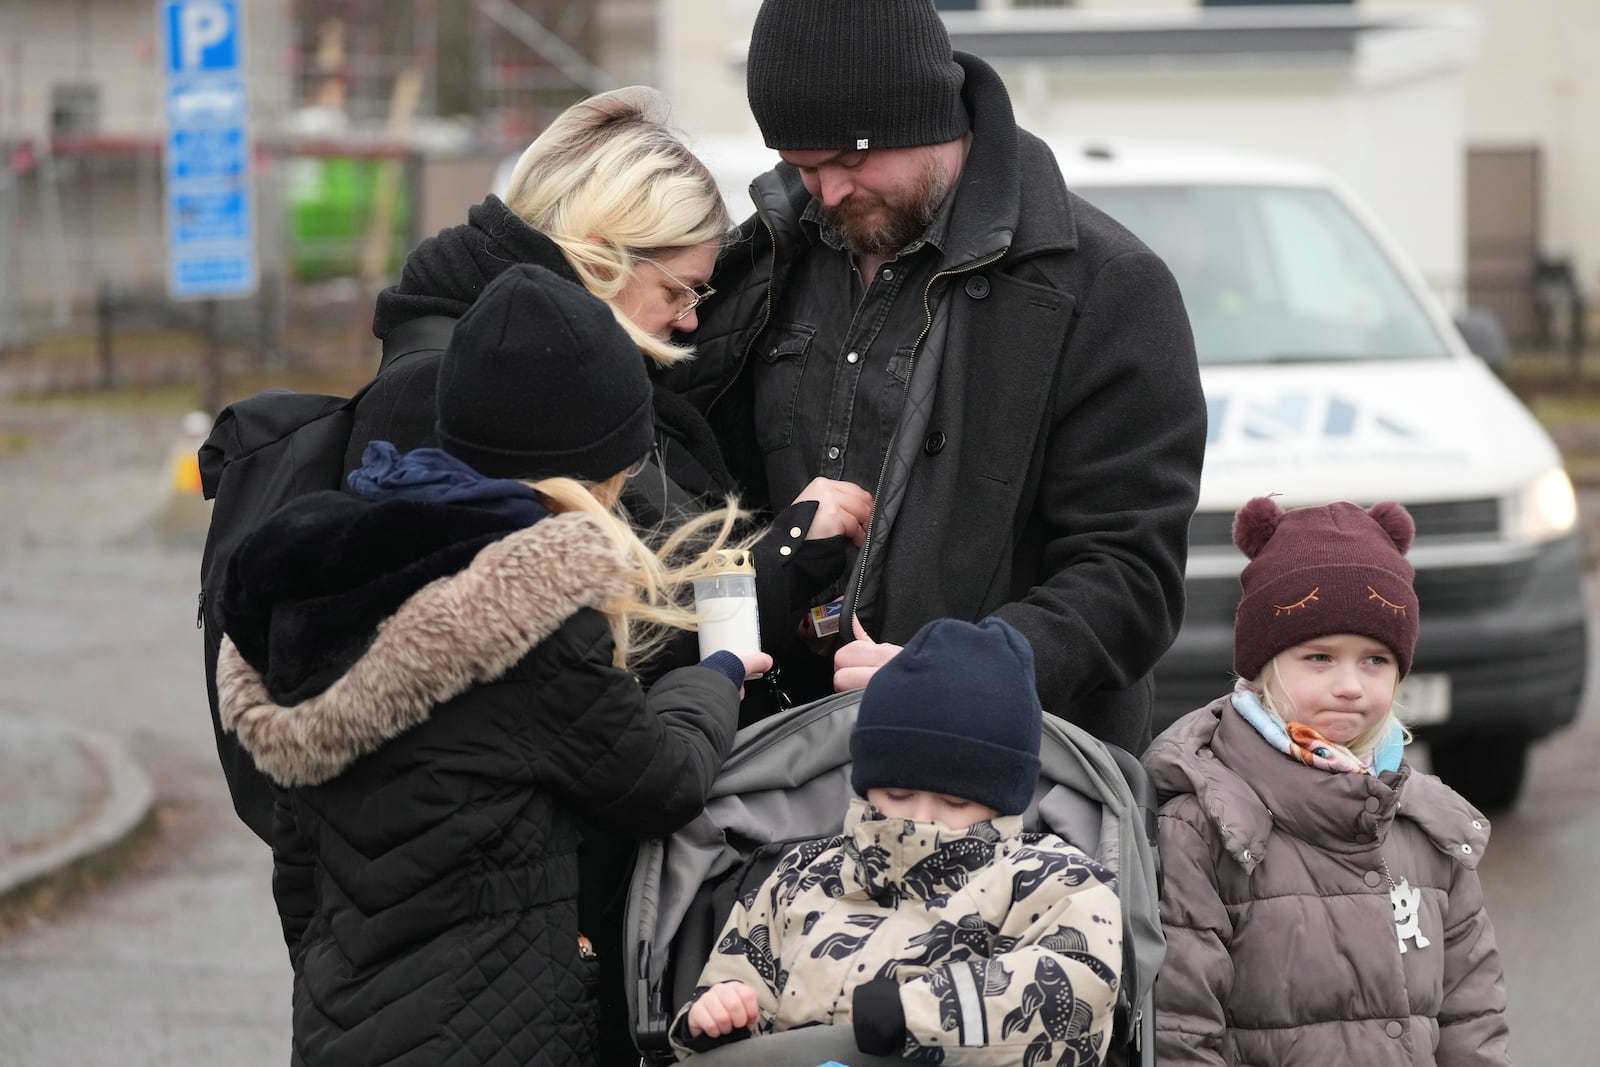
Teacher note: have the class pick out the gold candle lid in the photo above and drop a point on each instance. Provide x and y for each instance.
(728, 561)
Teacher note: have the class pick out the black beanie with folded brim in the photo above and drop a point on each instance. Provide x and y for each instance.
(955, 712)
(848, 75)
(539, 380)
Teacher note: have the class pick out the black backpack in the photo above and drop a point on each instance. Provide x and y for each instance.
(262, 452)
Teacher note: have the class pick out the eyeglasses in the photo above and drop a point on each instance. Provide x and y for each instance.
(696, 297)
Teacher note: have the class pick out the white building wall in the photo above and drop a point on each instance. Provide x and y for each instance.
(701, 68)
(1534, 80)
(1537, 81)
(104, 43)
(114, 45)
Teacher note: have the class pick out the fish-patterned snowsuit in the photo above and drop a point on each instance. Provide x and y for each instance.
(1003, 947)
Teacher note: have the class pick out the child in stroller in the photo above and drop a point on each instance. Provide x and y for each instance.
(915, 938)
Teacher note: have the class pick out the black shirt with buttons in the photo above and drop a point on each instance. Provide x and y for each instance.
(831, 382)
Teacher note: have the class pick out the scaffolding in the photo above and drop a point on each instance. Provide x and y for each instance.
(357, 92)
(507, 68)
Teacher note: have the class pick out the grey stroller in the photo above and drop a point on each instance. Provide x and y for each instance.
(787, 780)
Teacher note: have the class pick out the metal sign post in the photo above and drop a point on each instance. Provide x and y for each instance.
(208, 164)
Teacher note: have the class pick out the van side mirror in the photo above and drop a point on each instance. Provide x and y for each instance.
(1482, 331)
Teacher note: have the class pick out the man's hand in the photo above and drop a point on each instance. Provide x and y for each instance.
(855, 663)
(842, 508)
(724, 1008)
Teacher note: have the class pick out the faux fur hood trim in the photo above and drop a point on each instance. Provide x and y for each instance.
(454, 633)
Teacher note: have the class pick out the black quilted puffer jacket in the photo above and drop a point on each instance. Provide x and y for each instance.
(432, 691)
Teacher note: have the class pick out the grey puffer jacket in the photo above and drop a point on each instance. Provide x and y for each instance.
(1282, 946)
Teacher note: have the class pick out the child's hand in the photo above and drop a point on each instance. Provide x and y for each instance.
(855, 663)
(755, 663)
(724, 1008)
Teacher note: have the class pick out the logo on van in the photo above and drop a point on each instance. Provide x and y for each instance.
(1297, 416)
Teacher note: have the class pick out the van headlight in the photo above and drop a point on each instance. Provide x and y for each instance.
(1543, 510)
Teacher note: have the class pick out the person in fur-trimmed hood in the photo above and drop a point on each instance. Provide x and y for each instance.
(435, 673)
(933, 926)
(1321, 898)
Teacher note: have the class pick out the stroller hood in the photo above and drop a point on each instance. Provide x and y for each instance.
(788, 779)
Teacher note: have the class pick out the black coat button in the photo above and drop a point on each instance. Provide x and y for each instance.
(977, 287)
(933, 444)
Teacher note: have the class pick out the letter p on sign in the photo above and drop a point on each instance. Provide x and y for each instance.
(202, 36)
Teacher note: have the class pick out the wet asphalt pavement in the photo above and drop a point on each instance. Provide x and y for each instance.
(175, 960)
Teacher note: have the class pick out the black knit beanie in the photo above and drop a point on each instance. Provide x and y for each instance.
(955, 712)
(1316, 571)
(539, 380)
(838, 75)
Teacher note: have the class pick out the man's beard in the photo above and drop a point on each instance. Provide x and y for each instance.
(882, 226)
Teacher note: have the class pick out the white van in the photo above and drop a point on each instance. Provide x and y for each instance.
(1331, 372)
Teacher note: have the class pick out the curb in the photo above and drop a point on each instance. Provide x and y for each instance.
(96, 842)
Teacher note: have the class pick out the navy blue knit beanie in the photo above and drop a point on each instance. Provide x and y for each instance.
(956, 712)
(539, 380)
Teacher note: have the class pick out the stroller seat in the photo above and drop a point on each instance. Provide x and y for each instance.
(788, 780)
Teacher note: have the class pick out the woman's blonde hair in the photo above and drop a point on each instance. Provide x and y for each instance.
(612, 184)
(665, 562)
(1364, 743)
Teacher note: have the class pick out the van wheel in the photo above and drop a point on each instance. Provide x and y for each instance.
(1488, 769)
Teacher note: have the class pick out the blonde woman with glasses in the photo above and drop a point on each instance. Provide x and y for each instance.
(610, 197)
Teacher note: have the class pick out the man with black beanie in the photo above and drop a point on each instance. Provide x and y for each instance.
(923, 308)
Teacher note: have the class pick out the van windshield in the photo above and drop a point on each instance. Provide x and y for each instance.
(1275, 274)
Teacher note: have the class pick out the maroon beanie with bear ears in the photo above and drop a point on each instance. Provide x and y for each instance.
(1323, 570)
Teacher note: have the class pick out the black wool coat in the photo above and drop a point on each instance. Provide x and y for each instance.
(432, 691)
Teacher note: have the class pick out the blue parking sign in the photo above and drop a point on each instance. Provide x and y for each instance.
(202, 36)
(209, 177)
(208, 153)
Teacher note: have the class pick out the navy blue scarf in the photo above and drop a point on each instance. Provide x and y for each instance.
(435, 476)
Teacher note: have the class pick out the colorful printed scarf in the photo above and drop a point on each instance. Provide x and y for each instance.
(1299, 741)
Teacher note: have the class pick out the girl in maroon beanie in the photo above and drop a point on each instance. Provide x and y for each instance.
(1321, 901)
